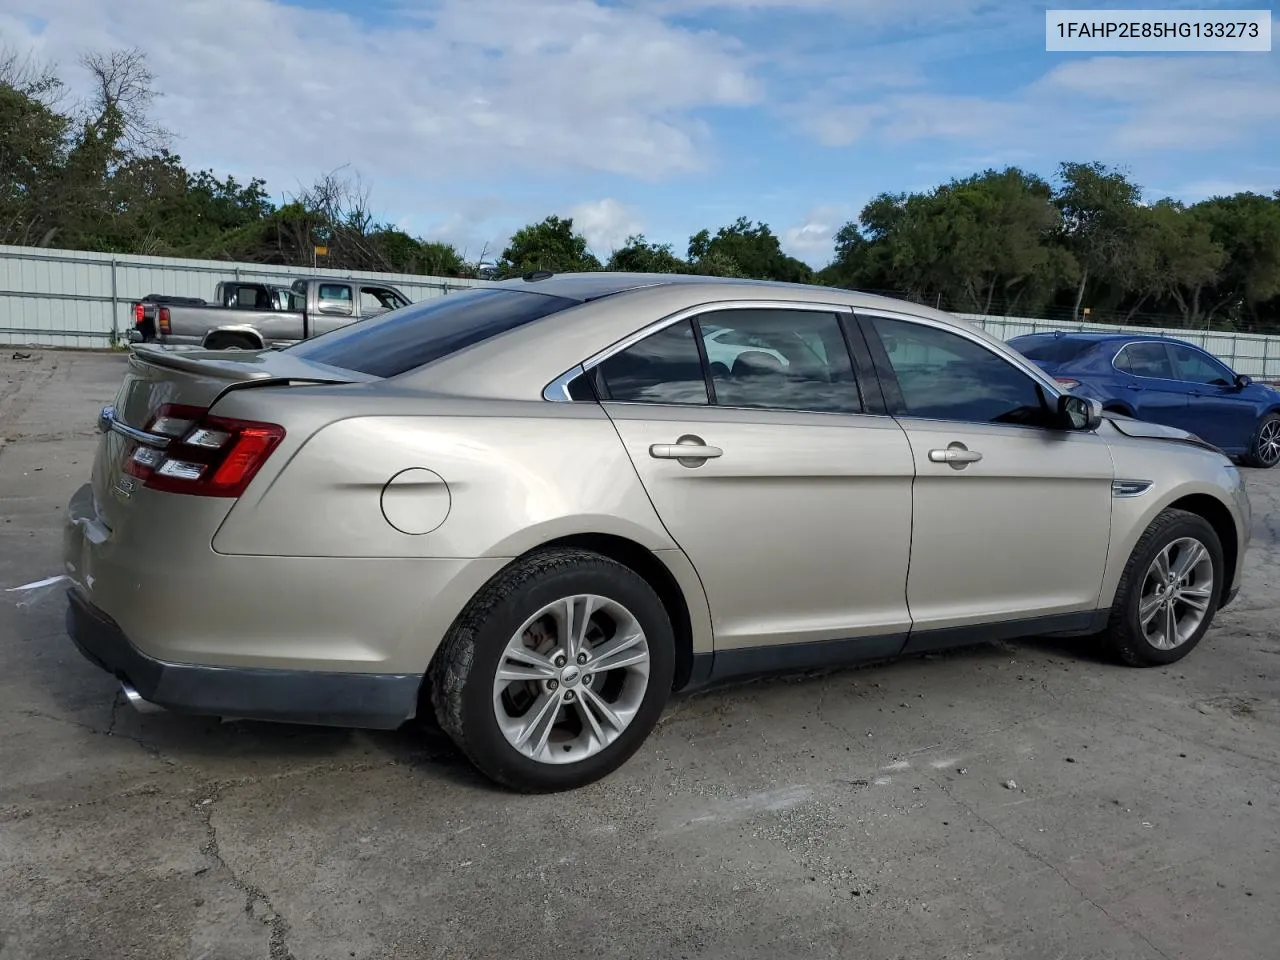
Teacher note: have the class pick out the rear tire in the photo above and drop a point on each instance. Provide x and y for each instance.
(1265, 452)
(1169, 592)
(506, 627)
(231, 342)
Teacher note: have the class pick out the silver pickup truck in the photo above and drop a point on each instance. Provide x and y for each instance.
(252, 316)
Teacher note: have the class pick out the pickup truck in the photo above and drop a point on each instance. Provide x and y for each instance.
(254, 316)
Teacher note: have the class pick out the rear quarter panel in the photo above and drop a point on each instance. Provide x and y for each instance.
(486, 488)
(496, 480)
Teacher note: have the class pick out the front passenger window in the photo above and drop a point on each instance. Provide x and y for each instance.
(1149, 359)
(1197, 368)
(944, 376)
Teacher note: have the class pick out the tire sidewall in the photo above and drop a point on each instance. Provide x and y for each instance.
(484, 737)
(1255, 455)
(1185, 526)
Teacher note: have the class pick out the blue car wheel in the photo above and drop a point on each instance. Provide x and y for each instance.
(1266, 443)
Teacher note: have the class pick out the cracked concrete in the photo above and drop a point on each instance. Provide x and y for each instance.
(847, 813)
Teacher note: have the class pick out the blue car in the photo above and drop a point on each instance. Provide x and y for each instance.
(1168, 381)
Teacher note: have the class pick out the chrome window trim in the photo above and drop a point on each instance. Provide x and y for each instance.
(1138, 376)
(558, 389)
(688, 313)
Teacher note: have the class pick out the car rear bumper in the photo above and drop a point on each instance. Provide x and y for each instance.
(373, 700)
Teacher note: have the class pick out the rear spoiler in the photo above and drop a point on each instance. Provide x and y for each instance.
(266, 368)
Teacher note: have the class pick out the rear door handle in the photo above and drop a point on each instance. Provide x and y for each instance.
(687, 448)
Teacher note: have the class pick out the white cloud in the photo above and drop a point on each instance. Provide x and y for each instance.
(1175, 102)
(1197, 190)
(896, 12)
(813, 238)
(1118, 105)
(605, 223)
(470, 88)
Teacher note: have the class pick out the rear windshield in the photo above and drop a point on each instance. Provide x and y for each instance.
(423, 332)
(1056, 350)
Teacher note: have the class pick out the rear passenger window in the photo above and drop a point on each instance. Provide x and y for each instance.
(664, 367)
(1146, 360)
(779, 359)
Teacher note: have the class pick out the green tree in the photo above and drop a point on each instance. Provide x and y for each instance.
(1247, 227)
(549, 245)
(1180, 258)
(1000, 249)
(1099, 226)
(746, 249)
(982, 243)
(33, 147)
(638, 255)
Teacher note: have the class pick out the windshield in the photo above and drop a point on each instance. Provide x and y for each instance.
(423, 332)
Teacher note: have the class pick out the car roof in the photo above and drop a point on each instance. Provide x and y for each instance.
(519, 363)
(1088, 336)
(594, 285)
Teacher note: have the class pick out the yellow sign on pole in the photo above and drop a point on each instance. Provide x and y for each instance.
(322, 251)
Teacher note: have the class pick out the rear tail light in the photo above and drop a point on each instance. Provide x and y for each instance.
(164, 320)
(1067, 382)
(207, 456)
(139, 314)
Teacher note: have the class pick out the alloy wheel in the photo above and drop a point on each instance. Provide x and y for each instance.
(571, 679)
(1176, 593)
(1269, 443)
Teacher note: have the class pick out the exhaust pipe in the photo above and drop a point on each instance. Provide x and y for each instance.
(136, 701)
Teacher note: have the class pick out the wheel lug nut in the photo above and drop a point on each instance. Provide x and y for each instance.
(588, 678)
(553, 684)
(568, 694)
(560, 661)
(582, 658)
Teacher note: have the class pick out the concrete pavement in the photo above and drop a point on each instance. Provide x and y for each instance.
(858, 813)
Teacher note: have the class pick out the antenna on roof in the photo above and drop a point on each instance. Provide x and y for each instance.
(538, 275)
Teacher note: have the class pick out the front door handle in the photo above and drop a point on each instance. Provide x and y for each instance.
(956, 454)
(691, 451)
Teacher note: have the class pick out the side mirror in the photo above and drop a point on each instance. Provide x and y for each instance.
(1079, 413)
(1243, 380)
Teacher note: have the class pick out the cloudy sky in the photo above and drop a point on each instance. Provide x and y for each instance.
(468, 118)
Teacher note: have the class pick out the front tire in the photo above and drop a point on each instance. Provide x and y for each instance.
(1169, 592)
(1265, 452)
(556, 672)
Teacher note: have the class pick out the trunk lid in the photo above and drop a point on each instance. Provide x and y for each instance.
(191, 377)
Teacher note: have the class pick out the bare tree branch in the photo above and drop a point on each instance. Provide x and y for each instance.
(124, 90)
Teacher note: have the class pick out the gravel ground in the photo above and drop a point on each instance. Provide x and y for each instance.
(1006, 801)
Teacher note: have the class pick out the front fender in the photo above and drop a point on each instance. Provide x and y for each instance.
(1131, 515)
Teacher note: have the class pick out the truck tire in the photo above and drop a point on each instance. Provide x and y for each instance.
(231, 341)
